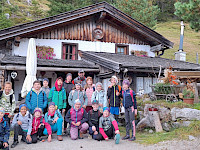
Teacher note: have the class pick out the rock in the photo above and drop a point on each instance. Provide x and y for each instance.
(166, 126)
(185, 114)
(191, 137)
(165, 114)
(176, 125)
(185, 123)
(141, 114)
(150, 131)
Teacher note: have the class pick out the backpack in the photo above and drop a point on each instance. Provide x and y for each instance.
(82, 111)
(131, 93)
(29, 116)
(53, 89)
(11, 97)
(99, 113)
(32, 92)
(119, 88)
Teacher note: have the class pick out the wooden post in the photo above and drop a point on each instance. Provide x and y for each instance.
(196, 95)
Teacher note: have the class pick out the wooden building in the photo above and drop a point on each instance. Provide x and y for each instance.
(96, 28)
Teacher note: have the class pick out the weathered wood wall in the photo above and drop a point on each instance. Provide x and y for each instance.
(83, 31)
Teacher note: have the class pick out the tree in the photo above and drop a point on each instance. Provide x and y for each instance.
(4, 22)
(60, 6)
(189, 12)
(140, 10)
(35, 10)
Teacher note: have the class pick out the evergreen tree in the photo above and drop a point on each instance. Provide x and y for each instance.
(140, 10)
(189, 12)
(60, 6)
(35, 10)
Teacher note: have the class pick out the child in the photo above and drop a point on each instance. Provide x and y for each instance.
(22, 125)
(36, 97)
(4, 131)
(100, 96)
(114, 94)
(77, 117)
(78, 93)
(130, 105)
(55, 119)
(89, 89)
(38, 125)
(93, 119)
(7, 101)
(58, 95)
(107, 124)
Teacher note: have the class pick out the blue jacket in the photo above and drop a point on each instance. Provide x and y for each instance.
(4, 131)
(34, 100)
(127, 99)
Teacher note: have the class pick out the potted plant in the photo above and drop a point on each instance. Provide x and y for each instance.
(188, 96)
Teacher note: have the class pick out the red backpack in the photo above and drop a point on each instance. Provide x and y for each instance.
(82, 111)
(131, 93)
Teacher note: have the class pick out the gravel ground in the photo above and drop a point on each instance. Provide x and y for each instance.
(89, 144)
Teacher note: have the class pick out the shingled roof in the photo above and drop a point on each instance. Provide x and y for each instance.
(140, 29)
(118, 61)
(19, 60)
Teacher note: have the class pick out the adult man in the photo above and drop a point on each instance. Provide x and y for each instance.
(80, 79)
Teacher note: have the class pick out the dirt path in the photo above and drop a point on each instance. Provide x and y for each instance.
(88, 144)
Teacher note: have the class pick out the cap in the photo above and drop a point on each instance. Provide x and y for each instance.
(81, 71)
(95, 102)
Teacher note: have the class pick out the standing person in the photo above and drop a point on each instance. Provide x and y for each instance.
(38, 125)
(93, 119)
(80, 79)
(7, 101)
(36, 98)
(46, 89)
(100, 96)
(108, 127)
(78, 93)
(130, 105)
(22, 125)
(4, 131)
(77, 117)
(89, 89)
(68, 85)
(55, 119)
(58, 95)
(114, 94)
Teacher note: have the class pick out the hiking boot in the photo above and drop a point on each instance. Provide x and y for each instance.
(80, 136)
(14, 144)
(23, 139)
(117, 138)
(40, 138)
(59, 137)
(126, 137)
(132, 138)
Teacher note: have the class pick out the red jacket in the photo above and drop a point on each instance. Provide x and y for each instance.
(36, 123)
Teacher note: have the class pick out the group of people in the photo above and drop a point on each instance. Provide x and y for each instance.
(80, 104)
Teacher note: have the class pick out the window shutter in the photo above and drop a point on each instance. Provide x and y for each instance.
(73, 52)
(63, 51)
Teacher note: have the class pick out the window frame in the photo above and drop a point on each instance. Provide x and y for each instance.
(72, 44)
(126, 52)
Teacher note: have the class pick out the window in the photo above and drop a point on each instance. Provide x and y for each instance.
(70, 51)
(122, 49)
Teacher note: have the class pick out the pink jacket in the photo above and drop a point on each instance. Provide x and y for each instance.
(89, 92)
(36, 123)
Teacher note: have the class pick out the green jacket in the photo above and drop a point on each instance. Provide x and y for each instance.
(58, 97)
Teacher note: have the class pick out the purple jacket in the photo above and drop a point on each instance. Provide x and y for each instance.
(76, 116)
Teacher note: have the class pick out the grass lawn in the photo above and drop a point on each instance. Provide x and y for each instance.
(191, 42)
(178, 134)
